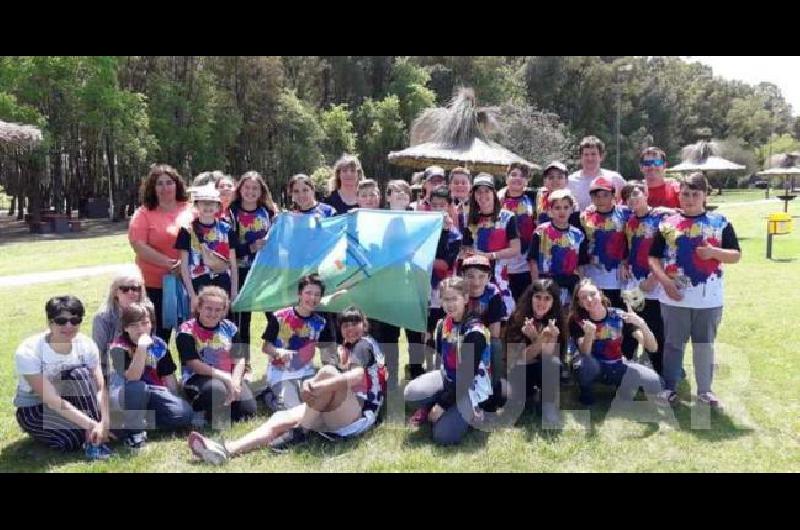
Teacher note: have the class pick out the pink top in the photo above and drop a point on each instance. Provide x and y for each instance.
(159, 230)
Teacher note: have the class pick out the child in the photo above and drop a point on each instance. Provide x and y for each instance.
(206, 254)
(143, 378)
(640, 230)
(342, 400)
(301, 189)
(398, 195)
(460, 185)
(438, 389)
(251, 213)
(213, 363)
(225, 186)
(447, 251)
(536, 340)
(603, 223)
(491, 231)
(369, 194)
(290, 339)
(557, 247)
(522, 203)
(686, 258)
(596, 326)
(554, 178)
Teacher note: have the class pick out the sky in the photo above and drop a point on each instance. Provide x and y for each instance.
(783, 71)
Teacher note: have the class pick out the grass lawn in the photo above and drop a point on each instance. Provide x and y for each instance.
(40, 256)
(757, 380)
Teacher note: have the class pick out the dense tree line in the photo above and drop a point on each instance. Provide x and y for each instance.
(107, 118)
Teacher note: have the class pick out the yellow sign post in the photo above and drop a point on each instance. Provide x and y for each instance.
(779, 223)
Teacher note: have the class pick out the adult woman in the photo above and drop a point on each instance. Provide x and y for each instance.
(213, 361)
(154, 228)
(143, 378)
(536, 341)
(61, 397)
(127, 287)
(347, 173)
(491, 231)
(343, 399)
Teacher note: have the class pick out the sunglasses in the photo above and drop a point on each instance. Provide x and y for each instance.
(129, 288)
(62, 321)
(650, 163)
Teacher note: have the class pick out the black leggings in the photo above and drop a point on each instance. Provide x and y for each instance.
(156, 296)
(208, 395)
(243, 319)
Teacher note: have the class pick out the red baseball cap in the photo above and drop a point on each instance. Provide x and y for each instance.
(601, 183)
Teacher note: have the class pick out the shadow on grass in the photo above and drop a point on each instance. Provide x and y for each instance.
(28, 456)
(13, 231)
(473, 442)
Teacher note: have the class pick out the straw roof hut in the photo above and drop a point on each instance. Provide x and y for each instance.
(25, 136)
(704, 156)
(456, 136)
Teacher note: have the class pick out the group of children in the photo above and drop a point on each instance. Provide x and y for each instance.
(522, 280)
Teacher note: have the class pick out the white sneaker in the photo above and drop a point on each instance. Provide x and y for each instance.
(207, 449)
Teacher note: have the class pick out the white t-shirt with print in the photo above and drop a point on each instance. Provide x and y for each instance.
(35, 356)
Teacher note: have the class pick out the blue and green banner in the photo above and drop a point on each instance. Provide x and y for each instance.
(378, 260)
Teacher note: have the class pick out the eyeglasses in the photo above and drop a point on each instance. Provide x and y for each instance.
(62, 321)
(129, 288)
(650, 163)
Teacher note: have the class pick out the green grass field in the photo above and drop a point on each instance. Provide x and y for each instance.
(757, 380)
(40, 256)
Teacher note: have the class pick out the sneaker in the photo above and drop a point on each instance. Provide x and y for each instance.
(291, 437)
(710, 399)
(136, 440)
(665, 398)
(419, 417)
(97, 451)
(208, 450)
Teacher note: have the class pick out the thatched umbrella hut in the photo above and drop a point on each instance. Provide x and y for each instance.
(22, 136)
(15, 141)
(704, 156)
(787, 166)
(455, 136)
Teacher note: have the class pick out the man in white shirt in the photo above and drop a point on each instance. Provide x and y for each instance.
(592, 151)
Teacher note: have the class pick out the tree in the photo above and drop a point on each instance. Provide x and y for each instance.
(750, 120)
(298, 137)
(539, 137)
(381, 129)
(338, 134)
(409, 85)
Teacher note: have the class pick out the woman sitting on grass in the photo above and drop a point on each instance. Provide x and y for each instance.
(61, 397)
(142, 381)
(342, 399)
(126, 288)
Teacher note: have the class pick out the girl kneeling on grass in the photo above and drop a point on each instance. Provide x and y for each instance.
(596, 327)
(342, 399)
(457, 329)
(214, 361)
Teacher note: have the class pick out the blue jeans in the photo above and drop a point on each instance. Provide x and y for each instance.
(626, 375)
(136, 398)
